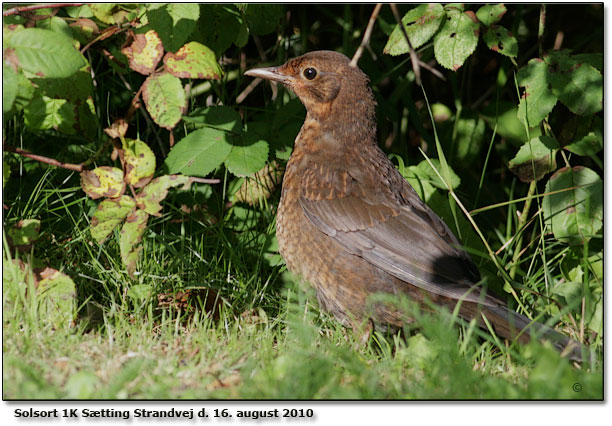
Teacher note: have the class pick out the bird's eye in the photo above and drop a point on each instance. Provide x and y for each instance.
(310, 73)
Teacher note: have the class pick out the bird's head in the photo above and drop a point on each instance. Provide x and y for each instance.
(325, 82)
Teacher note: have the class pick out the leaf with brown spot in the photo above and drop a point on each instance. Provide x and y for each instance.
(24, 233)
(131, 235)
(165, 99)
(573, 206)
(456, 40)
(108, 215)
(118, 129)
(103, 181)
(500, 40)
(193, 60)
(149, 198)
(139, 162)
(491, 13)
(84, 29)
(535, 159)
(144, 51)
(56, 297)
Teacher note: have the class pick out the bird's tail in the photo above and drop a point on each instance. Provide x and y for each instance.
(511, 325)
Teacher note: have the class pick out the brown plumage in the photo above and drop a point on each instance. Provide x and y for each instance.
(351, 225)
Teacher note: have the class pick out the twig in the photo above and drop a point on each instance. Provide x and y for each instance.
(558, 40)
(110, 31)
(541, 28)
(21, 9)
(366, 36)
(202, 180)
(432, 70)
(413, 55)
(242, 96)
(42, 159)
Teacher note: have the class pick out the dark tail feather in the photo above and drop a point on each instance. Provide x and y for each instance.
(510, 324)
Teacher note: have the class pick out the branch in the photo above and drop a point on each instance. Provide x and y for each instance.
(46, 160)
(366, 35)
(202, 180)
(21, 9)
(413, 56)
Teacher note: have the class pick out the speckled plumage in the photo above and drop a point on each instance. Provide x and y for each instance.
(348, 222)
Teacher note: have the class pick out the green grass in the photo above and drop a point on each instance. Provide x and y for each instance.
(267, 340)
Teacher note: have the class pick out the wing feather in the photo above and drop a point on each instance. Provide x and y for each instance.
(407, 240)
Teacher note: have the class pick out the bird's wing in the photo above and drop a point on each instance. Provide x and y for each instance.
(402, 237)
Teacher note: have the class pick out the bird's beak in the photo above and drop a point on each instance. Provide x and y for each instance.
(270, 73)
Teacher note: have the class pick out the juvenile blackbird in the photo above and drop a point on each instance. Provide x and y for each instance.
(350, 224)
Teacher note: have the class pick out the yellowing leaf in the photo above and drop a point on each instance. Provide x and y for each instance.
(165, 99)
(193, 60)
(139, 162)
(109, 214)
(148, 199)
(103, 181)
(144, 51)
(129, 241)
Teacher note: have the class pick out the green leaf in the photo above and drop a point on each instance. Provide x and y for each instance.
(470, 136)
(45, 53)
(538, 99)
(149, 198)
(571, 287)
(491, 14)
(425, 172)
(57, 25)
(82, 384)
(140, 292)
(286, 124)
(457, 39)
(582, 135)
(24, 232)
(79, 11)
(139, 162)
(131, 235)
(243, 34)
(103, 181)
(501, 41)
(108, 215)
(535, 159)
(575, 214)
(508, 124)
(247, 156)
(421, 23)
(593, 59)
(144, 51)
(219, 27)
(165, 99)
(174, 22)
(113, 13)
(578, 86)
(9, 86)
(218, 117)
(56, 296)
(76, 88)
(199, 153)
(264, 18)
(193, 60)
(25, 92)
(44, 113)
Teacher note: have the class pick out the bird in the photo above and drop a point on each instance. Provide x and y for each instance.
(349, 223)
